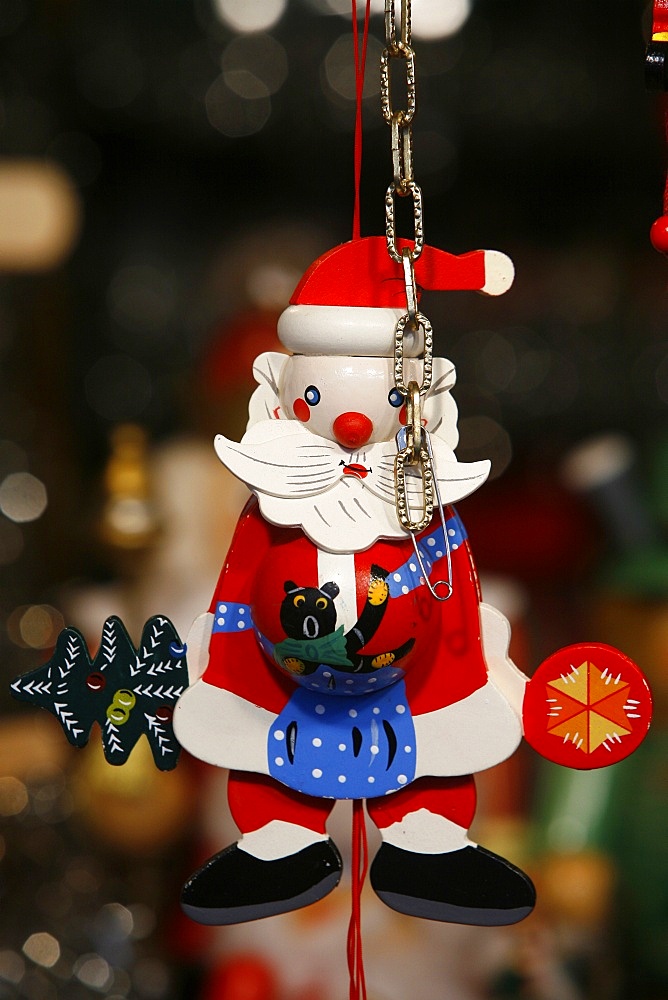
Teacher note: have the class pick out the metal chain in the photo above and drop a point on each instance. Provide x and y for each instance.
(414, 455)
(398, 48)
(414, 463)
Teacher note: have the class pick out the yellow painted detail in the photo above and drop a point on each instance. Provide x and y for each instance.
(294, 665)
(575, 684)
(603, 718)
(382, 660)
(121, 706)
(378, 592)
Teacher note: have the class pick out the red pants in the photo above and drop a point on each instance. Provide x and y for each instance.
(256, 800)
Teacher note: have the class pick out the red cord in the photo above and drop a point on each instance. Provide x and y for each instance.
(360, 854)
(360, 66)
(360, 863)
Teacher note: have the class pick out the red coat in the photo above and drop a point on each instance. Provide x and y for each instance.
(445, 665)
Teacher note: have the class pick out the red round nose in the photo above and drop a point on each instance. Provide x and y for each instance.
(352, 430)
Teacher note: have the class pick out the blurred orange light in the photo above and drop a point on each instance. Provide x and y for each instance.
(40, 215)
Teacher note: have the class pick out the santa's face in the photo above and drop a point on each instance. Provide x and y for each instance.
(352, 401)
(320, 449)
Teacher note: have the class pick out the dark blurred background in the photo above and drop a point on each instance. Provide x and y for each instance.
(168, 169)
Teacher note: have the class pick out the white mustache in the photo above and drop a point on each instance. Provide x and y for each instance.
(283, 459)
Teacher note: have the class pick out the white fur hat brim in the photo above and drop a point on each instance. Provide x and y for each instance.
(351, 331)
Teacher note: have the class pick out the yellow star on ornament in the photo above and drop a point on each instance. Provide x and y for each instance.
(590, 707)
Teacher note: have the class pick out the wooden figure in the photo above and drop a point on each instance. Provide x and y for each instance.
(325, 667)
(346, 655)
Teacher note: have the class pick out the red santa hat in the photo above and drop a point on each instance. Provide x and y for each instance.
(348, 301)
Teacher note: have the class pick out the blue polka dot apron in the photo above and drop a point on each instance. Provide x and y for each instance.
(344, 748)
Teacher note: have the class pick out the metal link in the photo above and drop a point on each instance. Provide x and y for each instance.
(402, 153)
(406, 519)
(427, 360)
(414, 421)
(391, 27)
(411, 290)
(390, 229)
(406, 54)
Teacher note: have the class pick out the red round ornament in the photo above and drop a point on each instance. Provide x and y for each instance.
(658, 234)
(587, 706)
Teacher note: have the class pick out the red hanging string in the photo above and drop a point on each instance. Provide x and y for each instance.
(360, 855)
(360, 66)
(360, 862)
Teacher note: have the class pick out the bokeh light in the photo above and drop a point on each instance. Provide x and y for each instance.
(42, 948)
(434, 19)
(270, 286)
(23, 497)
(232, 115)
(260, 15)
(12, 966)
(34, 626)
(114, 922)
(41, 215)
(339, 68)
(341, 7)
(94, 971)
(431, 19)
(254, 65)
(39, 626)
(13, 796)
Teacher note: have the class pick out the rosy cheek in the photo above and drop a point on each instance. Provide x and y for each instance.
(402, 417)
(301, 410)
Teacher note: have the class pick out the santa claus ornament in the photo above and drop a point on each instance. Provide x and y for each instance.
(347, 653)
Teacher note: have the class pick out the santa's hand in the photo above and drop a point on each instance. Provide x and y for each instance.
(294, 665)
(503, 673)
(378, 591)
(197, 645)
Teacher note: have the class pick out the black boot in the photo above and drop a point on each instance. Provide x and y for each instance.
(233, 886)
(469, 886)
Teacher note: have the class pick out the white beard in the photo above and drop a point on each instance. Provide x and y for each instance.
(300, 482)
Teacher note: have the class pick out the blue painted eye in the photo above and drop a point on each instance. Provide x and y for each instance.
(394, 397)
(312, 395)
